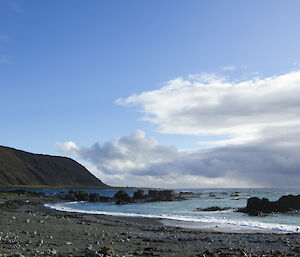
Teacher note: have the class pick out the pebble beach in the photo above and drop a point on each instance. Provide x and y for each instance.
(27, 228)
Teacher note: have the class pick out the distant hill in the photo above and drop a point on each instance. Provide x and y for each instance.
(19, 168)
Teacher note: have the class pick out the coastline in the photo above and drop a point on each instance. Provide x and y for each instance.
(29, 228)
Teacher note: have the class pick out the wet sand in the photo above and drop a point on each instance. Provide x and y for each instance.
(27, 228)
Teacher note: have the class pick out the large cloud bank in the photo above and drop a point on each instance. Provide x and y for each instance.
(261, 117)
(208, 105)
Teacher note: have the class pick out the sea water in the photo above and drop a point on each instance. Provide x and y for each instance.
(185, 213)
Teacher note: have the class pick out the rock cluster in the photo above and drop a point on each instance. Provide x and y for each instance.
(122, 197)
(259, 207)
(84, 196)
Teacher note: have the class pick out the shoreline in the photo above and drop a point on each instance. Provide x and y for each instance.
(29, 228)
(182, 223)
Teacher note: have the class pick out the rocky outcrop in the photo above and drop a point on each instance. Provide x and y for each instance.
(260, 207)
(121, 197)
(164, 195)
(139, 195)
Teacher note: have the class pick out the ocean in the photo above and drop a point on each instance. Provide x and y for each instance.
(185, 214)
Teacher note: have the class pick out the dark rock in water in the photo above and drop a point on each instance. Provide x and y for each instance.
(81, 195)
(94, 197)
(288, 203)
(213, 208)
(260, 207)
(235, 194)
(186, 193)
(166, 195)
(77, 196)
(153, 194)
(122, 197)
(84, 196)
(139, 194)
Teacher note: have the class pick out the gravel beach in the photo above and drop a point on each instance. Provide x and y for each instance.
(27, 228)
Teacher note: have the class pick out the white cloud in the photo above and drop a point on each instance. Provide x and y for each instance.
(136, 160)
(260, 119)
(228, 68)
(216, 106)
(68, 147)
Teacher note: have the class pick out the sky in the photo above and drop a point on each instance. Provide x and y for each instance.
(160, 93)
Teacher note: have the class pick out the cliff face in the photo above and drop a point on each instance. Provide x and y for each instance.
(18, 168)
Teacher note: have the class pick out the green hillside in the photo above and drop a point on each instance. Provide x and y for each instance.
(19, 168)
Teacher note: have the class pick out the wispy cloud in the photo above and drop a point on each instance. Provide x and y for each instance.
(228, 68)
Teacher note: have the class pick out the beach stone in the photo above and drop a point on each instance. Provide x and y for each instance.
(89, 247)
(108, 250)
(40, 242)
(51, 252)
(91, 253)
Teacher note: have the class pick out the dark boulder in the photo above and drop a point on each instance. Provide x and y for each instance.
(260, 207)
(70, 196)
(84, 196)
(186, 193)
(288, 203)
(166, 195)
(81, 196)
(121, 197)
(94, 197)
(139, 194)
(154, 195)
(77, 196)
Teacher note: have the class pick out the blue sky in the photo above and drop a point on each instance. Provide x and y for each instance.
(68, 69)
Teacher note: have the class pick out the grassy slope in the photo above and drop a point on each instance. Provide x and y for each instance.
(19, 168)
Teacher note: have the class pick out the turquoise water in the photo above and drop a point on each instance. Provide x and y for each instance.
(184, 213)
